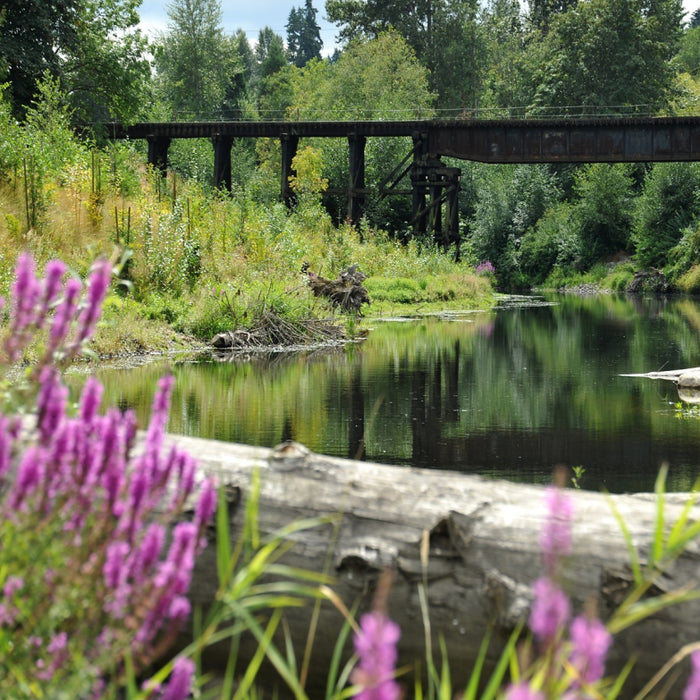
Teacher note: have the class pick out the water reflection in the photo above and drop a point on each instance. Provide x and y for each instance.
(508, 393)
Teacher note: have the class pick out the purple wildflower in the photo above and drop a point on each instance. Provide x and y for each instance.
(58, 649)
(6, 442)
(375, 645)
(206, 505)
(148, 552)
(51, 403)
(29, 476)
(590, 643)
(555, 540)
(12, 585)
(90, 400)
(523, 691)
(25, 294)
(692, 689)
(180, 683)
(550, 610)
(97, 288)
(485, 268)
(65, 313)
(53, 272)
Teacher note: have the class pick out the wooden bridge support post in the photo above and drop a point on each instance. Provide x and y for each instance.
(419, 182)
(356, 186)
(158, 153)
(419, 186)
(435, 187)
(222, 161)
(290, 144)
(452, 179)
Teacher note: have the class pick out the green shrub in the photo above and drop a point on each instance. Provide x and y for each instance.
(667, 206)
(689, 282)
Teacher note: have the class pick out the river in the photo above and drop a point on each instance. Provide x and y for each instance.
(507, 393)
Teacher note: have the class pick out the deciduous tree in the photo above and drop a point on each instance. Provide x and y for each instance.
(614, 54)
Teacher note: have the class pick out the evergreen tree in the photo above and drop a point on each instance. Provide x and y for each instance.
(269, 52)
(191, 57)
(303, 35)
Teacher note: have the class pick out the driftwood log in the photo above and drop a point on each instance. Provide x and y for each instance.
(483, 555)
(687, 380)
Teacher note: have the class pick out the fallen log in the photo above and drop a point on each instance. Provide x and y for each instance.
(687, 380)
(483, 552)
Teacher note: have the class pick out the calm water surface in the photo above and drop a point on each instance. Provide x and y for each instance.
(509, 393)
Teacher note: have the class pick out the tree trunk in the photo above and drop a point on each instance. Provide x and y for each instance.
(483, 552)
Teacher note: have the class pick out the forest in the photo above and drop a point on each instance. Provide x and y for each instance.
(537, 225)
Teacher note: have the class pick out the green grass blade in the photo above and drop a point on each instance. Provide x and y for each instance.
(631, 549)
(223, 538)
(473, 685)
(264, 641)
(657, 548)
(496, 679)
(333, 681)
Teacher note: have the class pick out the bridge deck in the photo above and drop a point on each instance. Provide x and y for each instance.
(491, 141)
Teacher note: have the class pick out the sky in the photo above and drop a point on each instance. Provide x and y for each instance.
(249, 15)
(253, 15)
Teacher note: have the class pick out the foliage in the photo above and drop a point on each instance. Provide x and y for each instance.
(86, 45)
(510, 201)
(612, 54)
(603, 211)
(191, 59)
(444, 36)
(107, 74)
(553, 241)
(668, 203)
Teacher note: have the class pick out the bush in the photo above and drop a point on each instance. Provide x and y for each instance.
(668, 204)
(603, 212)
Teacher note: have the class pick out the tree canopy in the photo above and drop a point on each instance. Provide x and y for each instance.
(92, 46)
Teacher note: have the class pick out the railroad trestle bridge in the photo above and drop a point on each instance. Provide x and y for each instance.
(434, 185)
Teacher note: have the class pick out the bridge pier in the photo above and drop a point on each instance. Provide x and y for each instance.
(158, 152)
(222, 161)
(356, 185)
(439, 184)
(290, 144)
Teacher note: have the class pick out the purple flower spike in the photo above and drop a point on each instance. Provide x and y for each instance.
(590, 641)
(375, 645)
(692, 689)
(53, 272)
(550, 610)
(522, 691)
(29, 476)
(65, 314)
(6, 442)
(51, 403)
(25, 296)
(180, 683)
(97, 289)
(206, 505)
(555, 540)
(90, 400)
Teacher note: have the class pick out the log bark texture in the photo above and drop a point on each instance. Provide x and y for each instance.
(483, 551)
